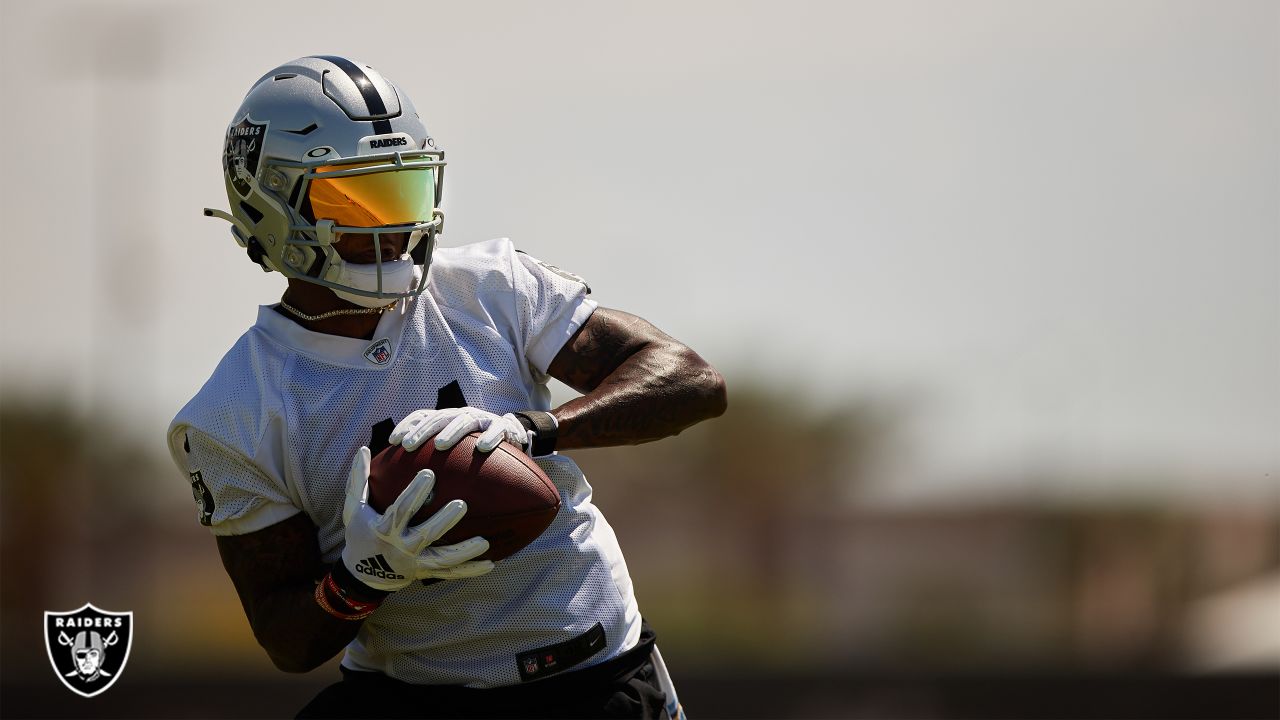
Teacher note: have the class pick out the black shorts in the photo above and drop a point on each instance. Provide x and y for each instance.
(625, 687)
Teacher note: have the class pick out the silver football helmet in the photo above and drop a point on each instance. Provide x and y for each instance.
(324, 147)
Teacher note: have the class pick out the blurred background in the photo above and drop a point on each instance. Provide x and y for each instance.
(995, 285)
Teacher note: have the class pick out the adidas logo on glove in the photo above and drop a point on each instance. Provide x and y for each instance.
(377, 566)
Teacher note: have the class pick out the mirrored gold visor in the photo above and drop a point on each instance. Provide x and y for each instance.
(390, 197)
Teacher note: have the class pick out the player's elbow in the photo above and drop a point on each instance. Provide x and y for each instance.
(289, 665)
(707, 384)
(715, 393)
(292, 655)
(296, 662)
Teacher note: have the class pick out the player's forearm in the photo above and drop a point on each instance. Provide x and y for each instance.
(656, 392)
(296, 633)
(274, 571)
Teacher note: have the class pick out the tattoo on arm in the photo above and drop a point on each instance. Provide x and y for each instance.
(638, 383)
(275, 571)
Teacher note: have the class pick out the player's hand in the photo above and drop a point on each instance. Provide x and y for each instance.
(384, 553)
(450, 425)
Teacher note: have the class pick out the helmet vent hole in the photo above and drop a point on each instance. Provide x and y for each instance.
(285, 76)
(251, 211)
(304, 131)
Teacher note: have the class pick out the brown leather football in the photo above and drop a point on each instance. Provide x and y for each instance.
(510, 500)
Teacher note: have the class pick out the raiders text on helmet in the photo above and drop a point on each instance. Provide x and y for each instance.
(324, 147)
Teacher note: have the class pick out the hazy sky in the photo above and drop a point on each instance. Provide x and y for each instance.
(1053, 227)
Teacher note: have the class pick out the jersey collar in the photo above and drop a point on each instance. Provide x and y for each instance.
(378, 352)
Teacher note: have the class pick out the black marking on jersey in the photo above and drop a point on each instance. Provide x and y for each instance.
(380, 436)
(450, 396)
(368, 90)
(304, 131)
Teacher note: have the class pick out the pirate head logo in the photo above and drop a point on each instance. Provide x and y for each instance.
(242, 152)
(379, 353)
(88, 647)
(89, 651)
(203, 498)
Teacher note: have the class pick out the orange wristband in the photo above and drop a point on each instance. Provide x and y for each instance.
(332, 600)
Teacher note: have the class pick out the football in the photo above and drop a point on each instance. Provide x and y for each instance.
(510, 500)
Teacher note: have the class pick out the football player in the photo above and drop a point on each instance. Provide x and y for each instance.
(383, 338)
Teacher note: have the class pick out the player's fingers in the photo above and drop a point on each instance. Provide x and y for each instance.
(405, 426)
(400, 431)
(491, 438)
(440, 523)
(429, 427)
(357, 484)
(411, 498)
(412, 439)
(455, 431)
(461, 572)
(449, 555)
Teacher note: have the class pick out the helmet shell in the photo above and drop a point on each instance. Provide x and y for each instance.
(88, 640)
(312, 112)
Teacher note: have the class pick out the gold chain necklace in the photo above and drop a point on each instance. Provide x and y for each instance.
(335, 313)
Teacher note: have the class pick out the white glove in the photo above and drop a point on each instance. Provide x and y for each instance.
(452, 424)
(385, 554)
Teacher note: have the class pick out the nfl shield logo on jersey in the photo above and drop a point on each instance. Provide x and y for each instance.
(379, 353)
(88, 647)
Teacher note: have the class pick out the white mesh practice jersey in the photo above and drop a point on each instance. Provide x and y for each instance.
(273, 431)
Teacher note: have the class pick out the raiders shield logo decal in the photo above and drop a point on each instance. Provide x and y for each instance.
(243, 151)
(88, 647)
